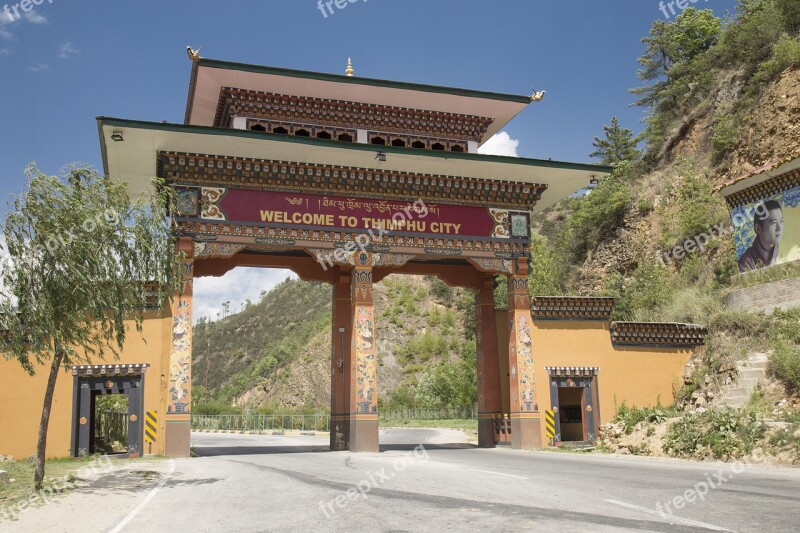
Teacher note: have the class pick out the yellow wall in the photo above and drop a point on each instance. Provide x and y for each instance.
(21, 396)
(638, 376)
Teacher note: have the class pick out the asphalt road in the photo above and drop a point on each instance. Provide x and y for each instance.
(273, 483)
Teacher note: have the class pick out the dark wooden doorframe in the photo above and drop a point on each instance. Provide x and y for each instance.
(590, 404)
(88, 386)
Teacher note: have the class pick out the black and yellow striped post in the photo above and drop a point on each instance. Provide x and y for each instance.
(550, 424)
(151, 428)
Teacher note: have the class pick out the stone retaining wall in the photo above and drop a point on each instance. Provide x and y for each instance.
(784, 294)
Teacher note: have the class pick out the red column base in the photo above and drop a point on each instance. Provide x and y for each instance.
(340, 433)
(177, 438)
(526, 432)
(364, 434)
(486, 432)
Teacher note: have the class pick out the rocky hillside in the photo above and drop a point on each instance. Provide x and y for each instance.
(234, 354)
(720, 106)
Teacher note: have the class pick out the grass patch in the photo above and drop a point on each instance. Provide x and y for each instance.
(436, 424)
(766, 275)
(22, 488)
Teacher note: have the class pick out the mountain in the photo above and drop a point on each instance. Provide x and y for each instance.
(276, 353)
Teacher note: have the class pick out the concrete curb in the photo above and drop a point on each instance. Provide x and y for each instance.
(290, 433)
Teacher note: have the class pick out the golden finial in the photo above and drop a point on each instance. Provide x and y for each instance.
(194, 55)
(349, 72)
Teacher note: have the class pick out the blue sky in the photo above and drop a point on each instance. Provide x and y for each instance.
(67, 62)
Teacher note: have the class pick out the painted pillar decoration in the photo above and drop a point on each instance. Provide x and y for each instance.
(488, 364)
(364, 385)
(525, 415)
(180, 360)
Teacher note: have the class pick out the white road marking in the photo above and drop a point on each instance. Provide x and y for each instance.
(146, 500)
(672, 518)
(497, 473)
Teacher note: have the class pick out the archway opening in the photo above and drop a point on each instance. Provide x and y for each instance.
(259, 337)
(426, 362)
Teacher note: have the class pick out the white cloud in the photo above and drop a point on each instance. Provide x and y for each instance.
(237, 286)
(4, 52)
(41, 67)
(5, 24)
(66, 50)
(500, 144)
(9, 20)
(35, 18)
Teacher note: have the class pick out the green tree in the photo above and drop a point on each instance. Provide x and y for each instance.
(673, 43)
(618, 146)
(695, 32)
(790, 11)
(451, 384)
(82, 259)
(546, 272)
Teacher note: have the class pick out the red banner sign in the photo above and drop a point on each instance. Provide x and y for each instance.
(350, 214)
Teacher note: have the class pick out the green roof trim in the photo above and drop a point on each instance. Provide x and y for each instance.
(338, 78)
(227, 132)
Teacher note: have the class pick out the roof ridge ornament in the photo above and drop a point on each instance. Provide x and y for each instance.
(194, 55)
(537, 96)
(349, 72)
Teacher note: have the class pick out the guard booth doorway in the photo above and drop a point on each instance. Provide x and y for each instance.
(93, 428)
(575, 402)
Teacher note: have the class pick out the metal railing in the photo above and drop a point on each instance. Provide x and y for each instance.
(319, 422)
(255, 422)
(444, 413)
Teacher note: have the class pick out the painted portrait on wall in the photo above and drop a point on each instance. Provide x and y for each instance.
(767, 233)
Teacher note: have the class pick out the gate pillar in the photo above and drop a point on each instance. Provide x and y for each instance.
(341, 361)
(490, 402)
(525, 416)
(363, 356)
(179, 401)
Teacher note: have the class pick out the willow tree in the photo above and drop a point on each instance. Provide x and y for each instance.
(83, 261)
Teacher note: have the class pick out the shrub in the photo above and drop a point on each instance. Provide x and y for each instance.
(451, 384)
(724, 134)
(630, 416)
(215, 408)
(784, 364)
(750, 40)
(645, 207)
(423, 348)
(546, 268)
(642, 296)
(786, 54)
(596, 215)
(715, 435)
(697, 209)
